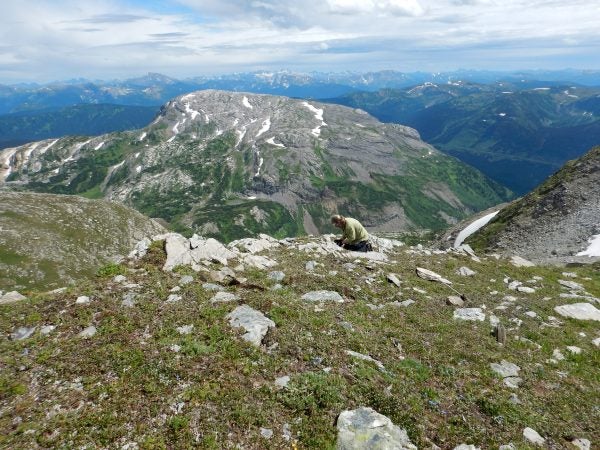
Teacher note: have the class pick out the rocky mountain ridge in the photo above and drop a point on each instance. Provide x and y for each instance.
(232, 164)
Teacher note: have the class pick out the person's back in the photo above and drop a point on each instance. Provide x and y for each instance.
(354, 232)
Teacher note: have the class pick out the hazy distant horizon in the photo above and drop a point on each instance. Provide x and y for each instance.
(47, 40)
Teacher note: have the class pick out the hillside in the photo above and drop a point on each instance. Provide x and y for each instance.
(86, 120)
(229, 165)
(556, 221)
(238, 354)
(49, 241)
(516, 136)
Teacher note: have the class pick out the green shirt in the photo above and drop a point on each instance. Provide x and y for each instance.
(354, 232)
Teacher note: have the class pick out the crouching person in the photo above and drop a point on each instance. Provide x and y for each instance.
(354, 236)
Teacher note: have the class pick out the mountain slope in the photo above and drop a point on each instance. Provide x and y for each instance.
(231, 164)
(555, 221)
(86, 120)
(516, 136)
(48, 241)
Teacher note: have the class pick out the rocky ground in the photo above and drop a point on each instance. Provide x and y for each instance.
(294, 343)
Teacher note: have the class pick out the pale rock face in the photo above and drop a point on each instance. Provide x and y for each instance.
(255, 323)
(465, 272)
(431, 276)
(582, 444)
(532, 436)
(466, 447)
(323, 296)
(224, 297)
(22, 333)
(11, 297)
(364, 428)
(88, 332)
(518, 261)
(471, 314)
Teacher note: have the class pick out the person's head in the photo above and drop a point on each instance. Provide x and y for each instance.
(338, 221)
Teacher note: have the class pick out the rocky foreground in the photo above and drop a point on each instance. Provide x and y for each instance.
(268, 343)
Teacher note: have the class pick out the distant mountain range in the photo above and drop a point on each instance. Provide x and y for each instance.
(514, 135)
(229, 165)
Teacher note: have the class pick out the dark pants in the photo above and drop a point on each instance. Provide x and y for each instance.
(362, 246)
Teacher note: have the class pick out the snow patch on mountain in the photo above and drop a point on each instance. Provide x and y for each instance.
(594, 247)
(246, 103)
(272, 142)
(473, 227)
(265, 126)
(99, 146)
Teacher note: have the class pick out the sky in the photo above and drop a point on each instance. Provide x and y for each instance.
(47, 40)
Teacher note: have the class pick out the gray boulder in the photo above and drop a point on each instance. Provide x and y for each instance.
(431, 276)
(22, 333)
(473, 314)
(11, 297)
(580, 311)
(364, 428)
(323, 296)
(255, 323)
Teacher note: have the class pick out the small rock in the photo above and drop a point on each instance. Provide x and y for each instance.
(276, 276)
(596, 342)
(276, 287)
(473, 314)
(466, 447)
(176, 289)
(186, 279)
(532, 436)
(517, 261)
(322, 296)
(526, 289)
(22, 333)
(175, 348)
(393, 278)
(286, 432)
(531, 314)
(454, 300)
(129, 300)
(47, 329)
(213, 287)
(82, 300)
(173, 298)
(310, 265)
(513, 285)
(224, 297)
(11, 297)
(582, 444)
(254, 322)
(557, 355)
(266, 433)
(185, 329)
(282, 382)
(465, 272)
(514, 399)
(88, 332)
(509, 372)
(120, 279)
(364, 428)
(574, 350)
(379, 364)
(510, 446)
(569, 274)
(404, 303)
(571, 285)
(431, 276)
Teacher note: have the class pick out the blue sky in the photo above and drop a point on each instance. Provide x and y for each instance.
(44, 40)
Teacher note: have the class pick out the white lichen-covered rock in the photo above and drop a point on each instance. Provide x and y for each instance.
(368, 358)
(323, 296)
(11, 297)
(88, 332)
(582, 444)
(518, 261)
(466, 447)
(224, 297)
(473, 314)
(257, 261)
(465, 272)
(429, 275)
(580, 311)
(22, 333)
(253, 245)
(177, 248)
(364, 428)
(509, 373)
(533, 436)
(254, 322)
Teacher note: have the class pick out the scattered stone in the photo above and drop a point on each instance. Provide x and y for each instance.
(88, 332)
(120, 279)
(574, 349)
(224, 297)
(393, 278)
(526, 289)
(277, 287)
(466, 447)
(557, 354)
(213, 287)
(517, 261)
(259, 262)
(571, 285)
(509, 372)
(364, 428)
(569, 274)
(286, 432)
(323, 296)
(402, 304)
(266, 433)
(454, 300)
(350, 327)
(82, 300)
(514, 399)
(129, 300)
(379, 364)
(532, 436)
(185, 329)
(431, 276)
(310, 265)
(175, 348)
(580, 311)
(465, 272)
(22, 333)
(282, 382)
(582, 444)
(531, 314)
(186, 279)
(11, 297)
(254, 322)
(47, 329)
(254, 245)
(276, 276)
(510, 446)
(176, 289)
(513, 285)
(499, 332)
(596, 342)
(473, 314)
(173, 298)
